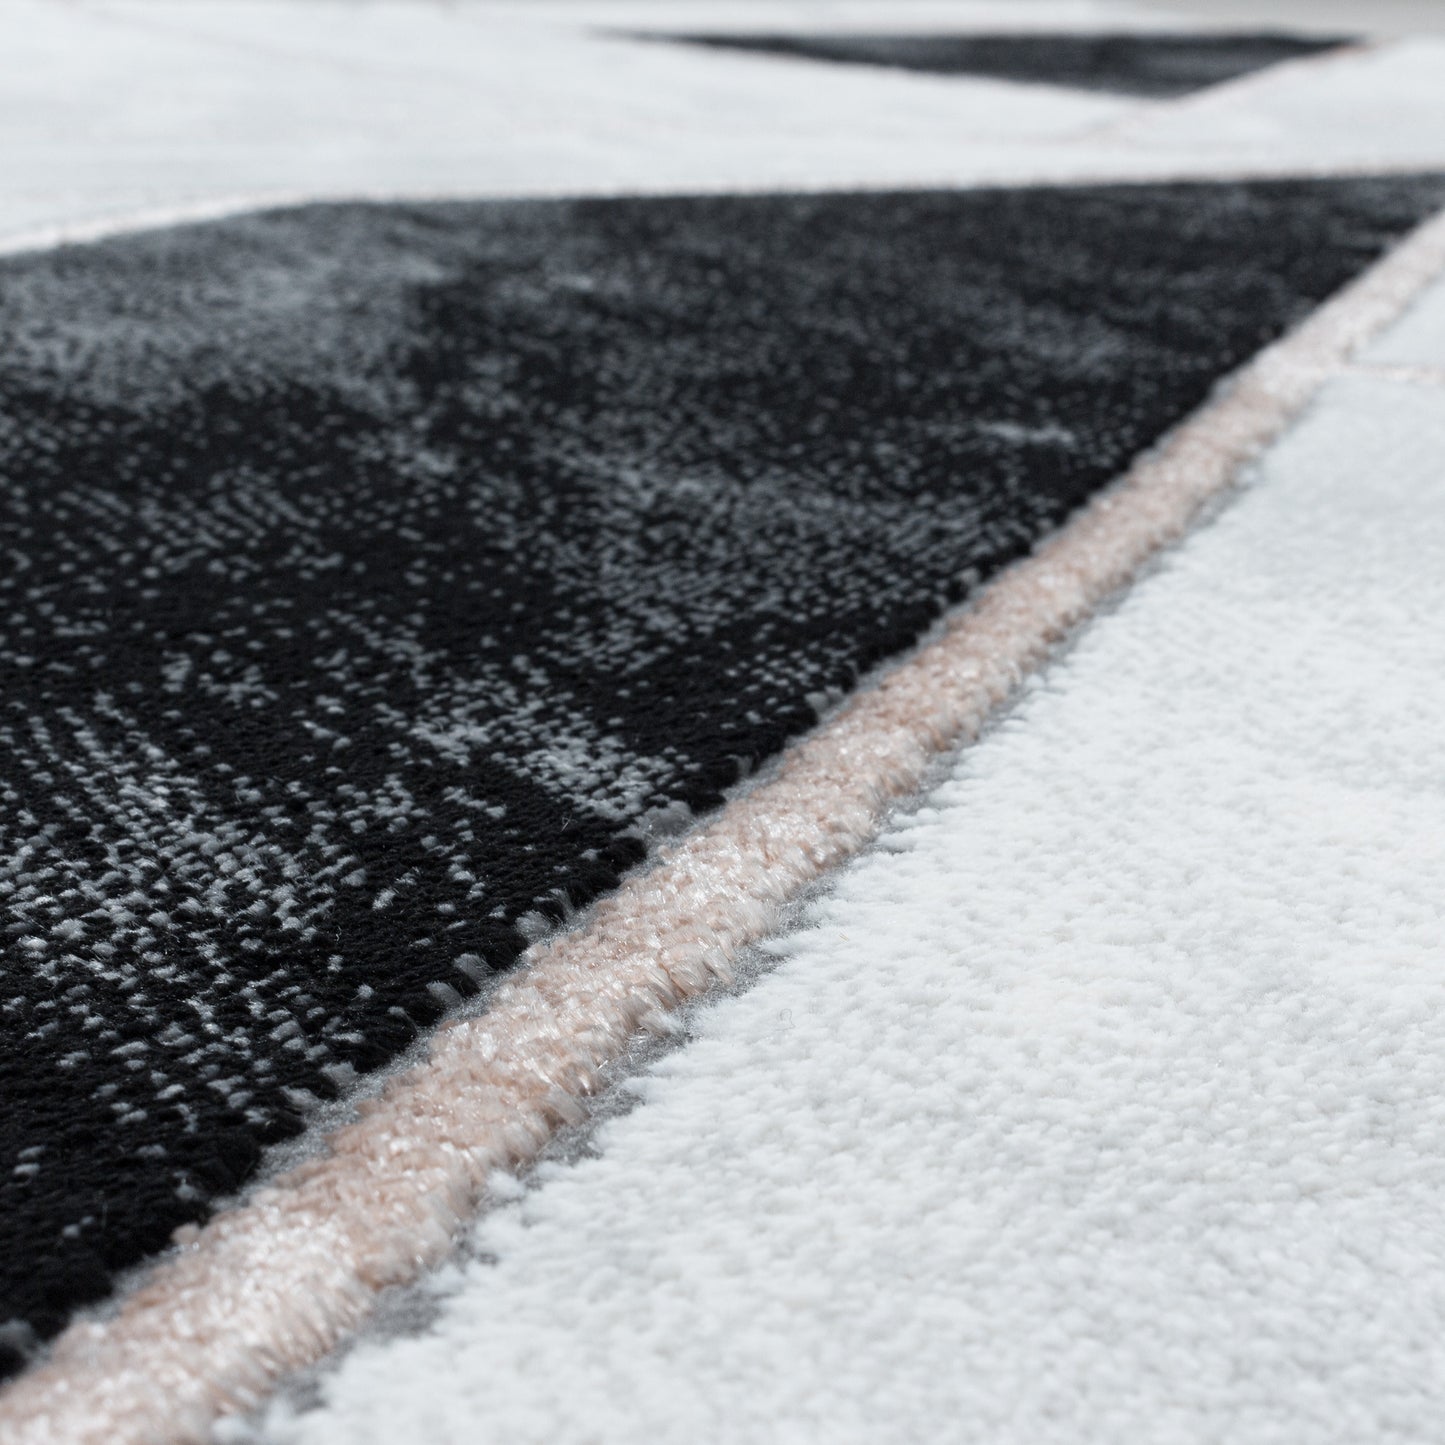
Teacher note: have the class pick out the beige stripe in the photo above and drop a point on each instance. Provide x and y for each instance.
(275, 1283)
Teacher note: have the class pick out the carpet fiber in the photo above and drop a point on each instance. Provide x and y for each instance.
(1101, 1102)
(383, 577)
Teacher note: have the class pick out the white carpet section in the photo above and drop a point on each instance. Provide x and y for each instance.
(1418, 340)
(118, 111)
(1104, 1101)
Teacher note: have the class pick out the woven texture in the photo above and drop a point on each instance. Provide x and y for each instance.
(381, 578)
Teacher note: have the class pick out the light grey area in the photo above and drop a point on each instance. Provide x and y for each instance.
(1380, 17)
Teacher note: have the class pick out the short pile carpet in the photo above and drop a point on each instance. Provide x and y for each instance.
(497, 503)
(380, 574)
(1100, 1102)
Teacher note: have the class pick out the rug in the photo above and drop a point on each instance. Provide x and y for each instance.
(443, 635)
(383, 575)
(1099, 1101)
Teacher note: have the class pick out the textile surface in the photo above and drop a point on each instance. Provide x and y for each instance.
(1152, 65)
(379, 577)
(1102, 1101)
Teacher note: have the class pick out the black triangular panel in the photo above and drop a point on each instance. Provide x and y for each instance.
(1160, 65)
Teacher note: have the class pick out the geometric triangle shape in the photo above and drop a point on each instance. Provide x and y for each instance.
(1160, 66)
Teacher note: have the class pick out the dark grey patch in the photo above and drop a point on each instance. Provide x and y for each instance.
(1161, 66)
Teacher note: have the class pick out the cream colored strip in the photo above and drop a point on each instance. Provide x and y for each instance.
(275, 1283)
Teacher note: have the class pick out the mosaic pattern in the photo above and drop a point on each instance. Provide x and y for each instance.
(378, 579)
(1161, 66)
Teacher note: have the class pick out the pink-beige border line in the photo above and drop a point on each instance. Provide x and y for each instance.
(275, 1283)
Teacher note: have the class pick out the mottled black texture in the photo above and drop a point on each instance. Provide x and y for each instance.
(1160, 65)
(371, 574)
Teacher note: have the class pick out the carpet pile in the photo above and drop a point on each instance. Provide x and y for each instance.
(443, 632)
